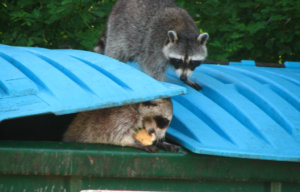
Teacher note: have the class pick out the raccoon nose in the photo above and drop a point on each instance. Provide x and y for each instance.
(183, 77)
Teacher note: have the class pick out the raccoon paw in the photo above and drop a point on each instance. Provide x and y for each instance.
(196, 86)
(168, 146)
(147, 148)
(193, 85)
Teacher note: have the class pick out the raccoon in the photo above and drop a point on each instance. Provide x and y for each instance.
(118, 125)
(100, 45)
(155, 34)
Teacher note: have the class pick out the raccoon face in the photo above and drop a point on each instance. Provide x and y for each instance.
(157, 115)
(185, 52)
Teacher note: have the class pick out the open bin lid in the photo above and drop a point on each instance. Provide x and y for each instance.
(242, 111)
(37, 81)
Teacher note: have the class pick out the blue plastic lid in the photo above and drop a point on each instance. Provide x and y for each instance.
(36, 81)
(242, 111)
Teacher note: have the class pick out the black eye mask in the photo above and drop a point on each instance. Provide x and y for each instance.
(161, 122)
(178, 63)
(193, 64)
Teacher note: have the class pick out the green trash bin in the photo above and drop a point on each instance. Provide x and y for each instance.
(56, 166)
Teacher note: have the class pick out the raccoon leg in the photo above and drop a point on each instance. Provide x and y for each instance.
(167, 146)
(116, 46)
(193, 84)
(116, 52)
(154, 66)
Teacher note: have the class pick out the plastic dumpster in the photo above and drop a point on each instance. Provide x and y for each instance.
(223, 158)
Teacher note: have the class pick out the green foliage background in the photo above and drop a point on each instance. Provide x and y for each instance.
(262, 30)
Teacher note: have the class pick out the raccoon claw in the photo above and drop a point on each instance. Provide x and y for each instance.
(150, 148)
(168, 146)
(193, 85)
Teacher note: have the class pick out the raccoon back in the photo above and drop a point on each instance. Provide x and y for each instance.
(128, 23)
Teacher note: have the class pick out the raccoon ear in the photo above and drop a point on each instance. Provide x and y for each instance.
(202, 38)
(172, 36)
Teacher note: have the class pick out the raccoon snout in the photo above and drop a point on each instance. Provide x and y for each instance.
(184, 73)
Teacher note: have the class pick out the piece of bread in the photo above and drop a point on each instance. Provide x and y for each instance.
(144, 137)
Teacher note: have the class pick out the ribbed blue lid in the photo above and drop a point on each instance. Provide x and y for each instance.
(242, 111)
(36, 81)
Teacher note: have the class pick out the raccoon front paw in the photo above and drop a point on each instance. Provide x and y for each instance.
(196, 86)
(151, 148)
(168, 146)
(148, 148)
(193, 85)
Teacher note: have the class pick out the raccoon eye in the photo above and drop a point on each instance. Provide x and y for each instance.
(161, 122)
(194, 64)
(176, 62)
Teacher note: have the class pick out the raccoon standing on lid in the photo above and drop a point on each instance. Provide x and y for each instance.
(118, 125)
(154, 33)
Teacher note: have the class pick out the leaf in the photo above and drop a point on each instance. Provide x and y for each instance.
(255, 27)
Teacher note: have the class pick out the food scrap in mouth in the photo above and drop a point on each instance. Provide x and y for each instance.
(144, 137)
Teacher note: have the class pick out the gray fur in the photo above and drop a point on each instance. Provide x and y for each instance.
(138, 30)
